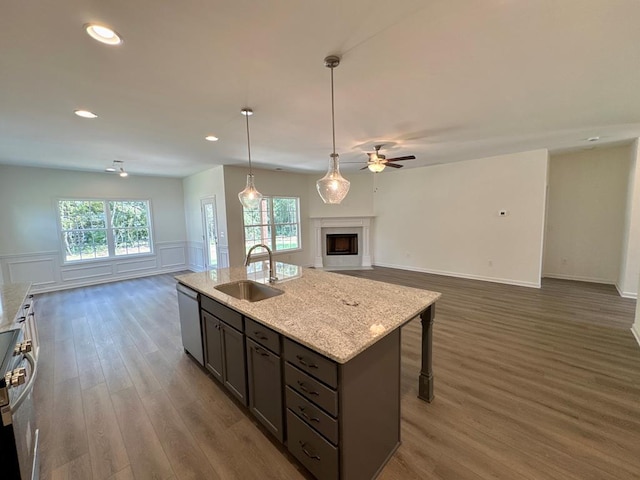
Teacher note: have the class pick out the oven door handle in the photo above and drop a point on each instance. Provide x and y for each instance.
(29, 386)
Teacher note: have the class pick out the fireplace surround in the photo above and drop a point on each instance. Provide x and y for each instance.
(356, 229)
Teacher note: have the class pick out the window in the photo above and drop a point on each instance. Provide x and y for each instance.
(276, 223)
(93, 229)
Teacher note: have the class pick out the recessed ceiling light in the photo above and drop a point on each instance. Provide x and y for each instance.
(593, 139)
(85, 114)
(211, 138)
(102, 34)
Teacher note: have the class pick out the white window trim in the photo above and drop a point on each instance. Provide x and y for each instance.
(110, 241)
(262, 253)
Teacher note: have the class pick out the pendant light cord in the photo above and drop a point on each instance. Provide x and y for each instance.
(333, 119)
(249, 143)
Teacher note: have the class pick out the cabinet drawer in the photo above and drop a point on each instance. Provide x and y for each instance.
(313, 451)
(311, 362)
(223, 312)
(312, 389)
(262, 335)
(312, 415)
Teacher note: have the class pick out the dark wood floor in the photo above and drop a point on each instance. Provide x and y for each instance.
(530, 384)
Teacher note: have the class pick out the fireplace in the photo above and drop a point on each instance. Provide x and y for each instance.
(342, 244)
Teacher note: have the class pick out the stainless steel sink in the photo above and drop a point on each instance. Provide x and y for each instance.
(249, 290)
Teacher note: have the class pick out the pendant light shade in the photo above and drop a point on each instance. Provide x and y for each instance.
(250, 197)
(333, 187)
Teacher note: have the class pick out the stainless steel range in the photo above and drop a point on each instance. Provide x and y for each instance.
(18, 433)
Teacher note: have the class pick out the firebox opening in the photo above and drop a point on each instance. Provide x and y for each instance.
(342, 244)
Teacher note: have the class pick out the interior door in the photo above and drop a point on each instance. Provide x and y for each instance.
(210, 229)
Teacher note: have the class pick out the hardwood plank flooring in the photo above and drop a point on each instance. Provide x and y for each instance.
(530, 384)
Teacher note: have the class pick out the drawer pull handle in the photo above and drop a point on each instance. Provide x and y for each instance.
(306, 415)
(262, 352)
(306, 452)
(303, 362)
(260, 336)
(304, 388)
(21, 319)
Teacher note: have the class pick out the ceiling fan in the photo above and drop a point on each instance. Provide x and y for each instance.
(377, 162)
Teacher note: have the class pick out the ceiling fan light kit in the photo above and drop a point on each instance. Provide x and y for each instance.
(333, 187)
(250, 197)
(377, 162)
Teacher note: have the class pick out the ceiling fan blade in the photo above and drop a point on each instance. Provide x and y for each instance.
(393, 165)
(364, 168)
(408, 157)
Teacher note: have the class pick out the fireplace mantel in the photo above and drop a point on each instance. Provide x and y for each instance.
(363, 222)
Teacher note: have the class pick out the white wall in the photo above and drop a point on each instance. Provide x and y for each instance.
(630, 262)
(268, 183)
(586, 214)
(209, 183)
(444, 219)
(30, 248)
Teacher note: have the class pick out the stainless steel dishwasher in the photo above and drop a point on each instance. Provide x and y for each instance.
(189, 307)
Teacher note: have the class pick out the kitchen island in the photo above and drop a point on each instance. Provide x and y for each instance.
(330, 346)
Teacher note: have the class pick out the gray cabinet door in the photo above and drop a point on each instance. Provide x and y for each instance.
(235, 366)
(265, 388)
(213, 344)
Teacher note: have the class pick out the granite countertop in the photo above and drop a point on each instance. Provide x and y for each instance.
(335, 315)
(12, 298)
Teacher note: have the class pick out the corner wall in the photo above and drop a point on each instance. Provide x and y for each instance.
(627, 283)
(586, 214)
(209, 183)
(30, 247)
(269, 183)
(444, 219)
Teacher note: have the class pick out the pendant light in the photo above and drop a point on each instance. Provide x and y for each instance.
(250, 197)
(333, 187)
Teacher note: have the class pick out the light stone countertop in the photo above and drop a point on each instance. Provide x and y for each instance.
(335, 315)
(12, 298)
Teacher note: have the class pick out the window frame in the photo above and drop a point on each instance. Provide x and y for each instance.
(271, 225)
(110, 235)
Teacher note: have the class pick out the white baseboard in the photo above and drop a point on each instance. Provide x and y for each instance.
(506, 281)
(624, 294)
(635, 329)
(577, 278)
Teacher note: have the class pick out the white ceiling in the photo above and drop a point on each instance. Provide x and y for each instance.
(446, 80)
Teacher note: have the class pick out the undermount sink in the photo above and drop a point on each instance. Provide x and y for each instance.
(249, 290)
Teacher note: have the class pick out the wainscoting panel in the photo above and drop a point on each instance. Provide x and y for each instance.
(47, 272)
(86, 271)
(172, 255)
(140, 265)
(195, 253)
(39, 269)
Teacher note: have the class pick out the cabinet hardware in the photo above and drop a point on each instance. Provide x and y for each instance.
(304, 388)
(260, 336)
(303, 362)
(21, 319)
(307, 453)
(261, 352)
(306, 415)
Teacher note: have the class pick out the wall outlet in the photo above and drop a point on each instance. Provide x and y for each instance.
(503, 213)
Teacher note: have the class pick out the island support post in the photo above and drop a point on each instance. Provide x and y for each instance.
(425, 381)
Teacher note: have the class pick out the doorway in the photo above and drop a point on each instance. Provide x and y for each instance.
(210, 232)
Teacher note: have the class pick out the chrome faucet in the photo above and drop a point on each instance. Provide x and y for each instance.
(272, 268)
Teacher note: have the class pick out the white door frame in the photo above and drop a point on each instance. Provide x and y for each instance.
(205, 240)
